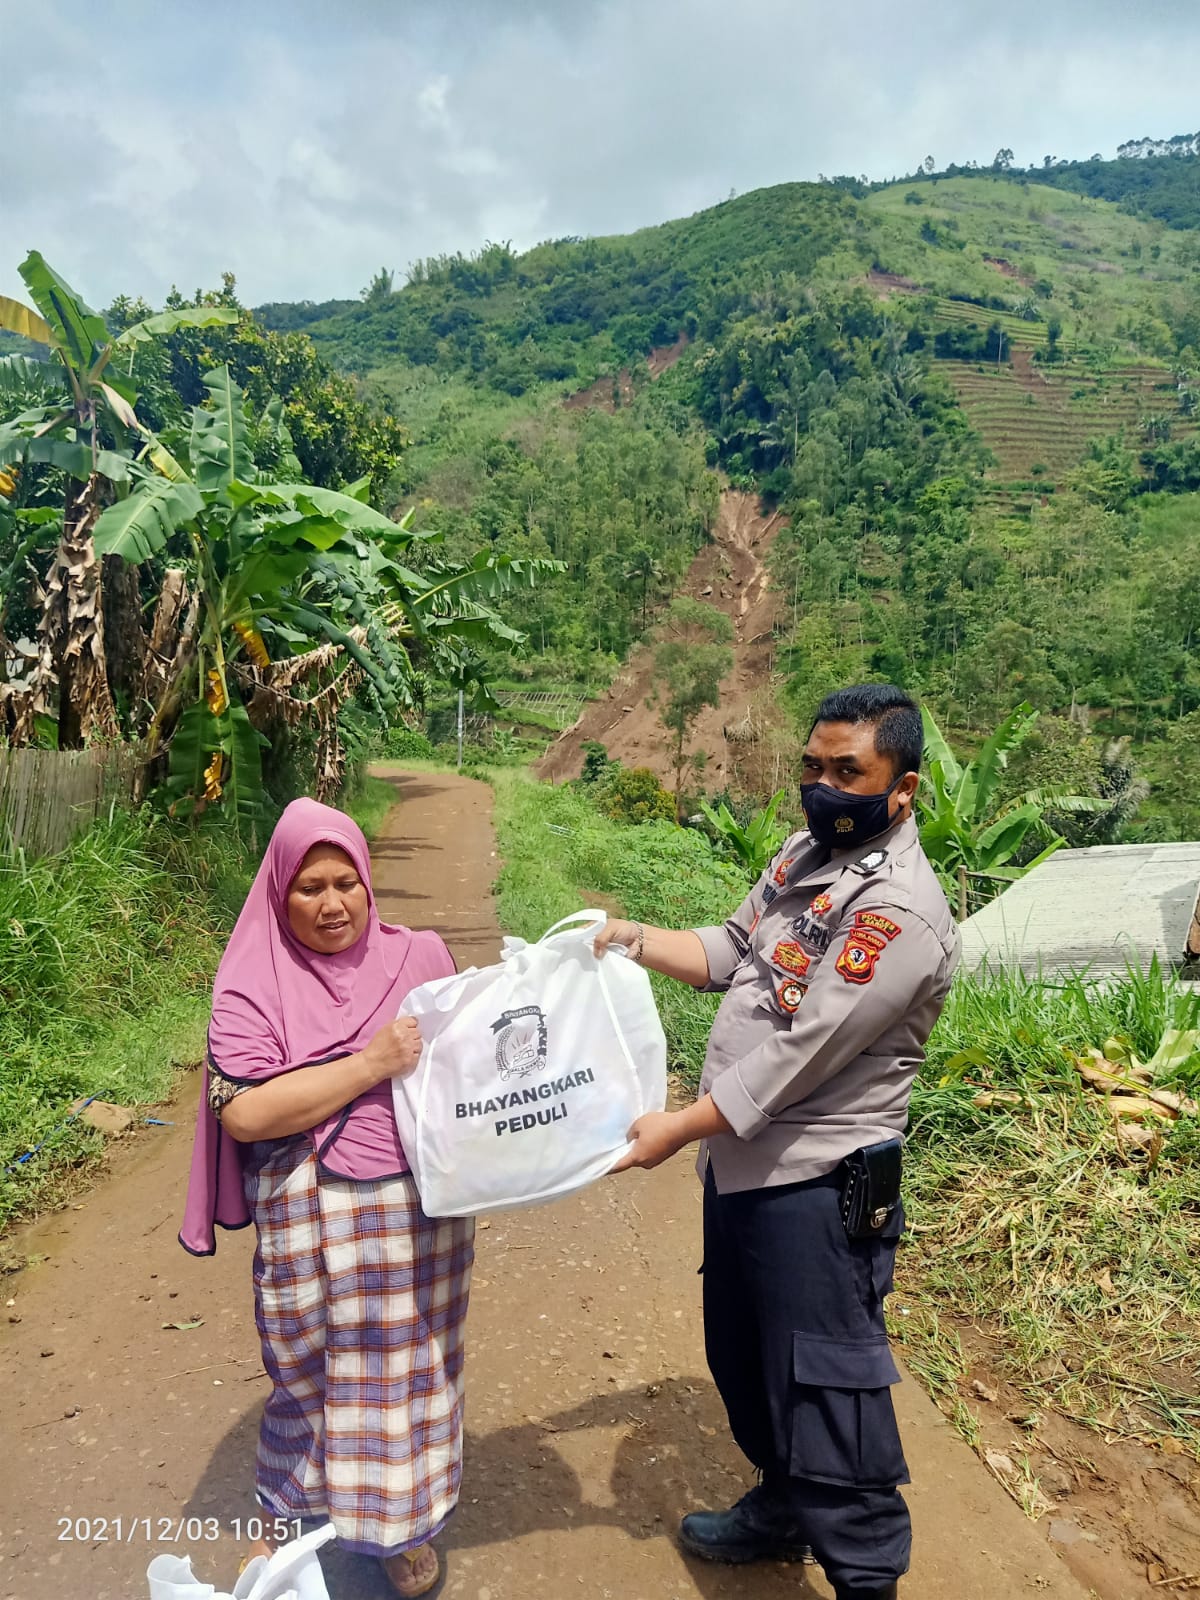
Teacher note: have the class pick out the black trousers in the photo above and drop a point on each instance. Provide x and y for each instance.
(795, 1339)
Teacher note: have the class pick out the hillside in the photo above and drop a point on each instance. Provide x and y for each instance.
(948, 387)
(730, 573)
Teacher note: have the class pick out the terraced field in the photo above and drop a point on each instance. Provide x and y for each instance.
(1038, 420)
(1018, 332)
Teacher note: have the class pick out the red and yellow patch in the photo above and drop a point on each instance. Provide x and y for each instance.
(821, 905)
(790, 993)
(878, 923)
(781, 871)
(792, 958)
(859, 954)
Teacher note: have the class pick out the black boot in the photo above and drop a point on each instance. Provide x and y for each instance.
(758, 1528)
(888, 1592)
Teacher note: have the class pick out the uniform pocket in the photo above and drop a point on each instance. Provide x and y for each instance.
(842, 1363)
(843, 1424)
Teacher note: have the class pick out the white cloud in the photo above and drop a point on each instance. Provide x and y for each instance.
(300, 145)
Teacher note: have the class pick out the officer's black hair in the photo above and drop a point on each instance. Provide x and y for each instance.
(896, 718)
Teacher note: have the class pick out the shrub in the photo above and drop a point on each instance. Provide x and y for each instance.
(596, 762)
(636, 796)
(406, 744)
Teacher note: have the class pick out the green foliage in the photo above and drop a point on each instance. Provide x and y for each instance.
(1104, 1294)
(634, 795)
(401, 743)
(1182, 763)
(1151, 177)
(752, 843)
(964, 832)
(106, 970)
(301, 563)
(596, 762)
(336, 438)
(572, 308)
(606, 495)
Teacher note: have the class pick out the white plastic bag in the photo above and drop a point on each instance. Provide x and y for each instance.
(292, 1573)
(531, 1074)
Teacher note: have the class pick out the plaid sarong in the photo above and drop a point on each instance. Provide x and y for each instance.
(360, 1300)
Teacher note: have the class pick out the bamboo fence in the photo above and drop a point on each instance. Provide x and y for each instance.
(49, 796)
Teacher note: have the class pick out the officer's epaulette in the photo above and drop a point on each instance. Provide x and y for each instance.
(871, 862)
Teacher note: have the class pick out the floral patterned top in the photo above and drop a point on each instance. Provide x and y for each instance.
(221, 1090)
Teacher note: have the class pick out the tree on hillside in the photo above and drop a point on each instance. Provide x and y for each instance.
(380, 289)
(690, 661)
(644, 569)
(336, 436)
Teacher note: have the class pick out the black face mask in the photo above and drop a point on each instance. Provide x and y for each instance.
(838, 819)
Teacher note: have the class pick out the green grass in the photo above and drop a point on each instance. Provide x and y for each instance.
(1073, 1250)
(1039, 1223)
(106, 956)
(1099, 261)
(369, 803)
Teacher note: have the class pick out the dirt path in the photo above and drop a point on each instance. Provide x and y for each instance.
(731, 574)
(591, 1421)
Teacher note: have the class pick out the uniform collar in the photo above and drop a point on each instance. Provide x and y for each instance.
(900, 836)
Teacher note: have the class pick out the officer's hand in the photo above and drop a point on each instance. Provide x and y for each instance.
(656, 1137)
(613, 932)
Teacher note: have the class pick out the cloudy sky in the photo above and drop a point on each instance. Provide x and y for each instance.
(302, 144)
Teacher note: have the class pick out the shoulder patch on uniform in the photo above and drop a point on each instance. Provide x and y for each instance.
(790, 993)
(861, 951)
(876, 921)
(871, 862)
(791, 957)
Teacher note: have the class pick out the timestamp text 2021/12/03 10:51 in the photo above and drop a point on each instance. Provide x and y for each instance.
(173, 1530)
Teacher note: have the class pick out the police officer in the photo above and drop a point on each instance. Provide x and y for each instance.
(834, 970)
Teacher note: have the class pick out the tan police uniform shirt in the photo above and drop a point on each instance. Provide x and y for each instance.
(834, 972)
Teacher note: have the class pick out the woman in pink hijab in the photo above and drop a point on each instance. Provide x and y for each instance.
(359, 1297)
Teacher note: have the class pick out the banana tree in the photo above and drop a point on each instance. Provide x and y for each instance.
(67, 431)
(964, 831)
(274, 568)
(753, 843)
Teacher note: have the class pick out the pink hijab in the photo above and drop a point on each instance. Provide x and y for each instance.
(278, 1005)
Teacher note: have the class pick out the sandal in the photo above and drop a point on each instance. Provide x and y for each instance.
(402, 1571)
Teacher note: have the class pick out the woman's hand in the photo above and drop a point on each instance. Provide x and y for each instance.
(395, 1049)
(613, 932)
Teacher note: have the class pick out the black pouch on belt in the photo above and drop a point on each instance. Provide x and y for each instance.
(871, 1189)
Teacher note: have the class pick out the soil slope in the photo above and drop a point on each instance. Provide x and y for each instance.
(731, 574)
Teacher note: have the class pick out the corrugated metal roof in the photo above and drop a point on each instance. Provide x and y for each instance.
(1102, 909)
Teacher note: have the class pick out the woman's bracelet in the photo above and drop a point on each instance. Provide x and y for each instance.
(641, 943)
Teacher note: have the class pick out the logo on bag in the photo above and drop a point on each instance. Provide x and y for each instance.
(520, 1042)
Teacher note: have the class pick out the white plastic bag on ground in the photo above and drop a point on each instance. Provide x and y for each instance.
(531, 1074)
(292, 1573)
